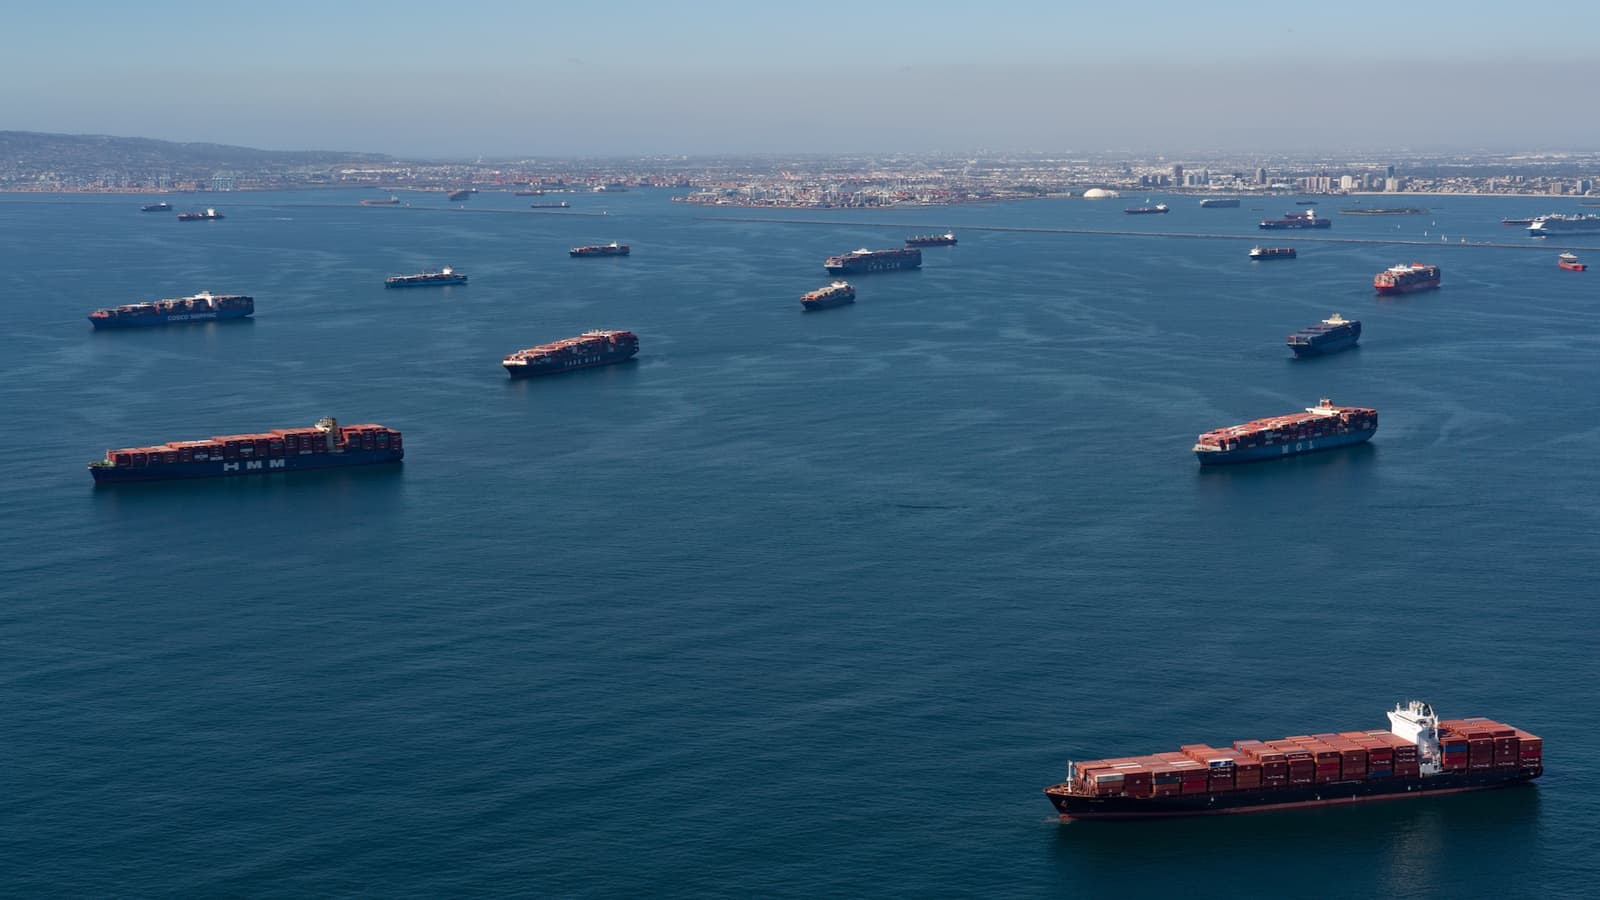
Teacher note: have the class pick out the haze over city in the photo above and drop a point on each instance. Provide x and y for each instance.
(509, 79)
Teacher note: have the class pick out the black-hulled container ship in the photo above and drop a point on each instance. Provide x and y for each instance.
(948, 239)
(1335, 333)
(391, 201)
(209, 215)
(1320, 427)
(326, 445)
(587, 350)
(444, 276)
(611, 249)
(1270, 253)
(840, 293)
(202, 307)
(1158, 209)
(163, 206)
(859, 262)
(1406, 279)
(1219, 203)
(1419, 755)
(1309, 219)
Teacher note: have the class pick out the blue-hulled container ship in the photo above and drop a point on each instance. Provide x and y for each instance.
(1335, 333)
(1418, 755)
(1320, 427)
(202, 307)
(444, 276)
(587, 350)
(326, 445)
(859, 262)
(1309, 219)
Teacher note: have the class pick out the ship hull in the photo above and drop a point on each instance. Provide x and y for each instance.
(1323, 348)
(1074, 806)
(441, 282)
(1388, 290)
(818, 305)
(173, 319)
(1284, 226)
(238, 467)
(1278, 451)
(556, 367)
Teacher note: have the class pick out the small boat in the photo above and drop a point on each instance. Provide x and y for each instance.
(1569, 261)
(163, 206)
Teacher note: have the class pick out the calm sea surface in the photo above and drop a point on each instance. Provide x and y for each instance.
(794, 605)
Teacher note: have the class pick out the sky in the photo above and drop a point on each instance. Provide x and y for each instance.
(495, 78)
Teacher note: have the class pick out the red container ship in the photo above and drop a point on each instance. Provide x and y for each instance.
(326, 445)
(587, 350)
(1419, 755)
(837, 294)
(1406, 279)
(1320, 427)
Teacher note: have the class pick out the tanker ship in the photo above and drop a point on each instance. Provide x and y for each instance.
(592, 348)
(326, 445)
(1320, 427)
(857, 262)
(1406, 279)
(1419, 755)
(202, 307)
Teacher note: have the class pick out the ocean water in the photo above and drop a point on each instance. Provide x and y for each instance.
(794, 605)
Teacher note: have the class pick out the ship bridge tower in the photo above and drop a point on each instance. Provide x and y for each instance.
(1417, 723)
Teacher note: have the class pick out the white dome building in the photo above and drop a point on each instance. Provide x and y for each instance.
(1100, 194)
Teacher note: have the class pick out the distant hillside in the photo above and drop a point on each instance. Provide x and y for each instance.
(29, 150)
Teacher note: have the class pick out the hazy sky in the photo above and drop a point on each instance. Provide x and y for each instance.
(618, 77)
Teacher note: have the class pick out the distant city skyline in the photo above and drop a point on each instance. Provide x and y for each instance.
(503, 79)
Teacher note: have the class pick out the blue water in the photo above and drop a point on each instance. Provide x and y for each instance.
(793, 605)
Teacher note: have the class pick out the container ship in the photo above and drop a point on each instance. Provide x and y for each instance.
(837, 294)
(592, 348)
(202, 307)
(948, 239)
(1334, 334)
(1584, 223)
(326, 445)
(1406, 279)
(163, 206)
(861, 261)
(206, 216)
(1569, 261)
(611, 249)
(1272, 253)
(1320, 427)
(1219, 203)
(445, 275)
(1418, 755)
(1146, 210)
(1309, 219)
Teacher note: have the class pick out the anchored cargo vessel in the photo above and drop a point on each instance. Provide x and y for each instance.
(202, 307)
(459, 195)
(1569, 261)
(864, 260)
(1406, 279)
(1309, 219)
(163, 206)
(1219, 203)
(207, 216)
(392, 201)
(326, 445)
(445, 275)
(1419, 755)
(592, 348)
(611, 249)
(837, 294)
(1334, 334)
(1320, 427)
(1265, 253)
(1583, 223)
(1146, 210)
(931, 240)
